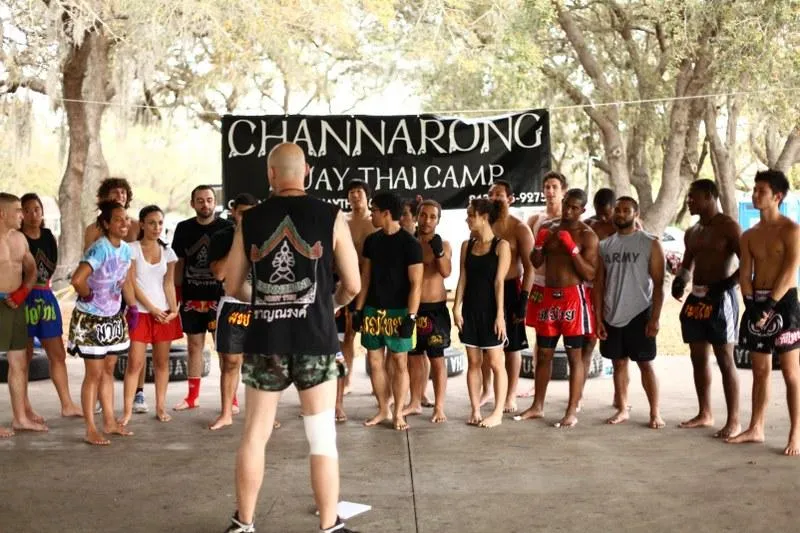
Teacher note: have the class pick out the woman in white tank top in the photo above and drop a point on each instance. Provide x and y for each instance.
(159, 323)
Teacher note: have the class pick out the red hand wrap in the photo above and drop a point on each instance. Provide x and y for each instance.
(569, 244)
(541, 236)
(19, 295)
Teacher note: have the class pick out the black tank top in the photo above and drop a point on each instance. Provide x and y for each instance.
(289, 242)
(479, 294)
(45, 254)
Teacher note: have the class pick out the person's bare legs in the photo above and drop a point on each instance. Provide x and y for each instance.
(486, 381)
(110, 424)
(513, 364)
(576, 382)
(161, 378)
(57, 357)
(136, 356)
(439, 375)
(418, 382)
(427, 373)
(587, 353)
(380, 386)
(530, 392)
(17, 388)
(30, 414)
(497, 361)
(730, 385)
(790, 367)
(475, 381)
(762, 368)
(195, 343)
(92, 378)
(348, 346)
(400, 386)
(650, 384)
(231, 365)
(259, 417)
(702, 385)
(544, 369)
(324, 469)
(621, 382)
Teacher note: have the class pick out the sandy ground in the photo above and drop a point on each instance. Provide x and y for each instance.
(520, 476)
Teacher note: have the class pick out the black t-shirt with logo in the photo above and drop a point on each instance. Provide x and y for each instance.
(192, 243)
(45, 254)
(221, 243)
(390, 256)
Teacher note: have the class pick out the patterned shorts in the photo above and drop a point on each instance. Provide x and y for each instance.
(274, 373)
(94, 337)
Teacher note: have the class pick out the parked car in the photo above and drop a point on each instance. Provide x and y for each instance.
(674, 248)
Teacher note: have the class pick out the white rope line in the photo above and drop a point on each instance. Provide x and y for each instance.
(619, 103)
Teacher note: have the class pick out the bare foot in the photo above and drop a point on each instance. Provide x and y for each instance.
(377, 419)
(28, 425)
(438, 416)
(162, 416)
(124, 420)
(495, 419)
(35, 417)
(6, 433)
(511, 407)
(221, 422)
(793, 447)
(426, 402)
(71, 410)
(730, 429)
(619, 417)
(118, 430)
(580, 407)
(475, 419)
(529, 414)
(751, 435)
(341, 416)
(185, 404)
(96, 438)
(656, 422)
(411, 410)
(700, 421)
(400, 423)
(568, 421)
(485, 397)
(347, 390)
(276, 425)
(528, 394)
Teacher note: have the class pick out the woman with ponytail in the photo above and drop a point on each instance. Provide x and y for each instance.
(159, 323)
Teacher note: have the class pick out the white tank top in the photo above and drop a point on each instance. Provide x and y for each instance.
(150, 277)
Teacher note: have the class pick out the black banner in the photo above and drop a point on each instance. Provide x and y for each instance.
(450, 160)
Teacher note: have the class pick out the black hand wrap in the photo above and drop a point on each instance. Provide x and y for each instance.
(678, 287)
(406, 328)
(437, 246)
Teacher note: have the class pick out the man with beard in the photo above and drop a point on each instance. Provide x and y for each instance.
(433, 318)
(628, 296)
(710, 315)
(518, 284)
(568, 249)
(554, 185)
(199, 291)
(771, 319)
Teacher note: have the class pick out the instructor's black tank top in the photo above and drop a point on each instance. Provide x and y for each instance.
(479, 295)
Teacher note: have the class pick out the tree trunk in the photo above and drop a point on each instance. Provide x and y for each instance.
(723, 154)
(790, 155)
(70, 190)
(637, 159)
(616, 160)
(85, 77)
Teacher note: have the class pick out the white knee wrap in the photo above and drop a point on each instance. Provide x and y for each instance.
(321, 433)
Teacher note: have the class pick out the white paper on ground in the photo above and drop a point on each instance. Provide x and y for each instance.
(347, 510)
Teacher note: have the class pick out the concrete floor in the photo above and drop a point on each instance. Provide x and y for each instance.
(178, 477)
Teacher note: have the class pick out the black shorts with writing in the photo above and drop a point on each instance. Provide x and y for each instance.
(433, 329)
(630, 340)
(710, 316)
(781, 331)
(198, 316)
(233, 318)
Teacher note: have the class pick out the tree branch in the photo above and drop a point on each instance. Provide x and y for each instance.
(577, 96)
(791, 151)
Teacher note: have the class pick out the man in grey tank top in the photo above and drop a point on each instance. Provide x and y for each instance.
(628, 296)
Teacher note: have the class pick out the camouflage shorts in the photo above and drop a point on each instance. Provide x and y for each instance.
(276, 372)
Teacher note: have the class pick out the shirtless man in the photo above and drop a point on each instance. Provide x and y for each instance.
(433, 317)
(568, 249)
(518, 285)
(19, 275)
(601, 222)
(554, 185)
(771, 320)
(710, 316)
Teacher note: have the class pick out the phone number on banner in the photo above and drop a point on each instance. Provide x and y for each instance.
(523, 197)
